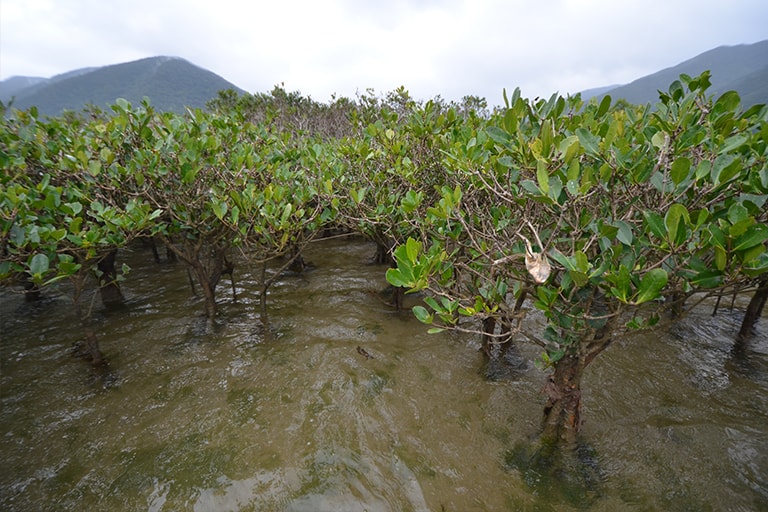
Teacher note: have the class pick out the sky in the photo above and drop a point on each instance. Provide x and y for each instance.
(327, 48)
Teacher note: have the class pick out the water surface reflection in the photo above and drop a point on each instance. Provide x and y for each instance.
(218, 419)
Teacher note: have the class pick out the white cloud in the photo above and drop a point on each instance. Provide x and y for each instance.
(445, 47)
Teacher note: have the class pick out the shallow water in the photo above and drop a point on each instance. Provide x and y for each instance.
(215, 419)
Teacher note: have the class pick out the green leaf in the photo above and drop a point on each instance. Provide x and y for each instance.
(651, 284)
(412, 250)
(624, 234)
(498, 135)
(605, 104)
(542, 176)
(431, 302)
(755, 235)
(94, 167)
(421, 313)
(59, 234)
(724, 168)
(721, 258)
(286, 214)
(396, 278)
(728, 102)
(676, 220)
(39, 264)
(708, 279)
(582, 262)
(579, 278)
(569, 148)
(679, 170)
(621, 282)
(732, 143)
(655, 224)
(358, 195)
(589, 142)
(737, 213)
(562, 259)
(219, 209)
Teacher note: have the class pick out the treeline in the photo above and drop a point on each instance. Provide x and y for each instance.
(606, 217)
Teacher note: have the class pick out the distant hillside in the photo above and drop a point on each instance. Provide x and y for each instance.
(742, 68)
(170, 83)
(14, 85)
(597, 91)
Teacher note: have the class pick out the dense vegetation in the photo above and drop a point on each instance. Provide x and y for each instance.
(604, 218)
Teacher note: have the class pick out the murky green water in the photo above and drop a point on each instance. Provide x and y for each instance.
(216, 420)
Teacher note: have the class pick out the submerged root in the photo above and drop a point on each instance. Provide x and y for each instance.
(504, 362)
(569, 474)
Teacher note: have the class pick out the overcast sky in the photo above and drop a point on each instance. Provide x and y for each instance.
(449, 48)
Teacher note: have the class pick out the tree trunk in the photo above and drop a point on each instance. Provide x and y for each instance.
(84, 317)
(383, 255)
(209, 290)
(108, 287)
(150, 242)
(754, 310)
(31, 291)
(207, 276)
(489, 325)
(263, 299)
(562, 414)
(92, 344)
(398, 297)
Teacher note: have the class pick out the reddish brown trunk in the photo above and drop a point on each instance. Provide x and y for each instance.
(31, 291)
(207, 276)
(754, 310)
(489, 325)
(209, 291)
(383, 255)
(398, 296)
(84, 317)
(108, 286)
(92, 344)
(562, 414)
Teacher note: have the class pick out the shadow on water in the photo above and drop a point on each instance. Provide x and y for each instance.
(505, 363)
(557, 474)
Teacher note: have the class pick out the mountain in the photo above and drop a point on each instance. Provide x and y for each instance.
(171, 84)
(14, 85)
(597, 91)
(742, 68)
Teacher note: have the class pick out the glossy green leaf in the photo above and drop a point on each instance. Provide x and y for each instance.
(679, 170)
(542, 176)
(676, 220)
(721, 258)
(655, 224)
(755, 235)
(421, 313)
(396, 277)
(590, 143)
(39, 264)
(412, 250)
(219, 208)
(651, 284)
(605, 105)
(624, 234)
(498, 135)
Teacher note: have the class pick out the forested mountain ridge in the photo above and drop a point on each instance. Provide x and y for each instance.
(741, 68)
(171, 83)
